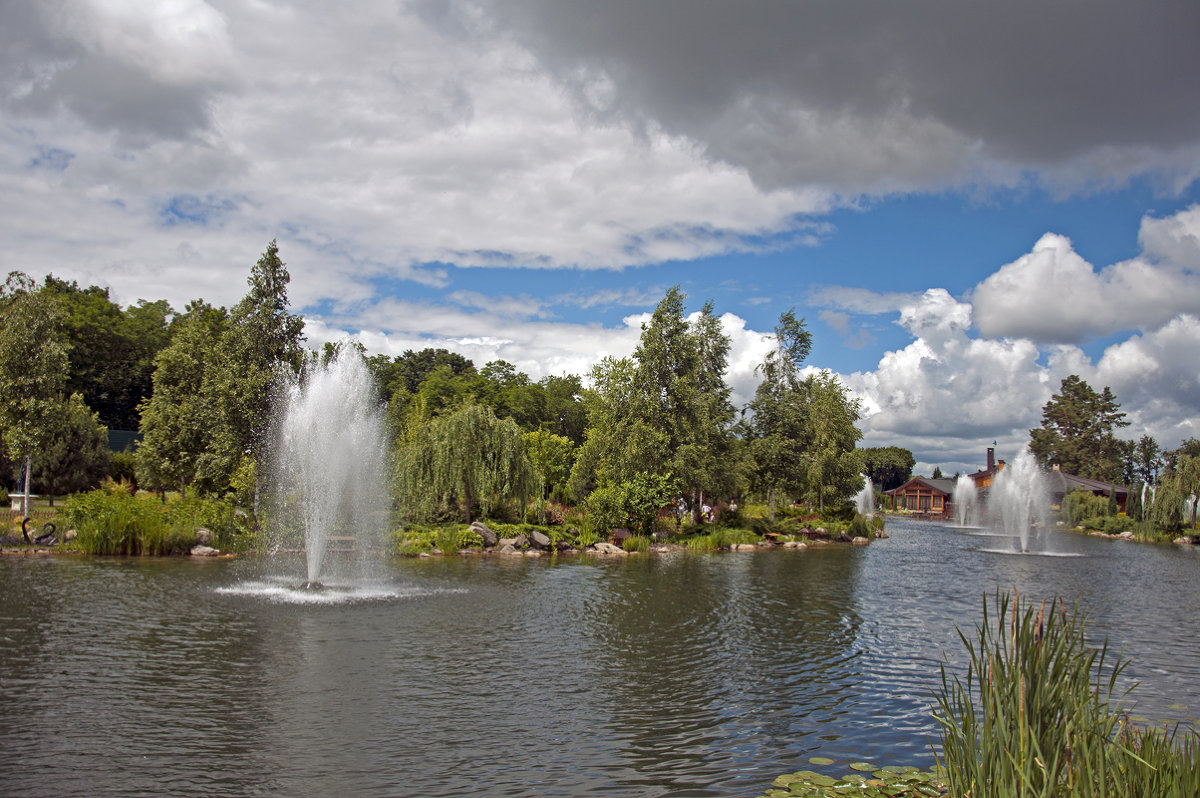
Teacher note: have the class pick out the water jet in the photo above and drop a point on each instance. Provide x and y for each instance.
(328, 462)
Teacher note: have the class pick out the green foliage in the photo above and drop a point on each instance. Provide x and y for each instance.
(448, 539)
(462, 458)
(803, 432)
(179, 417)
(122, 466)
(1036, 716)
(111, 351)
(605, 510)
(1077, 431)
(888, 467)
(76, 454)
(634, 503)
(551, 456)
(259, 348)
(666, 410)
(860, 527)
(114, 521)
(33, 368)
(1081, 505)
(1147, 460)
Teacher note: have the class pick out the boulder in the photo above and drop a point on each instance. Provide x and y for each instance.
(1126, 535)
(795, 544)
(489, 537)
(539, 540)
(203, 551)
(743, 547)
(519, 542)
(204, 536)
(860, 541)
(603, 547)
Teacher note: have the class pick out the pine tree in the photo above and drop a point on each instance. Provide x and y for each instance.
(1077, 431)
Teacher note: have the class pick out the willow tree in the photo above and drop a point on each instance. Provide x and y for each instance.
(465, 457)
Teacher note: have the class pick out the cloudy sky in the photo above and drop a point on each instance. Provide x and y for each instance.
(967, 202)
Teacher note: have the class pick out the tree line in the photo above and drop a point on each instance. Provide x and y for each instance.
(1078, 436)
(632, 436)
(641, 432)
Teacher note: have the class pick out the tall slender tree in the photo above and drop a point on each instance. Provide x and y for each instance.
(778, 418)
(261, 346)
(177, 420)
(33, 370)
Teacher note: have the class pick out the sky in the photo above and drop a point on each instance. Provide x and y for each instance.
(966, 202)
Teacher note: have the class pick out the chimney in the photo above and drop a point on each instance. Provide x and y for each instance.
(991, 458)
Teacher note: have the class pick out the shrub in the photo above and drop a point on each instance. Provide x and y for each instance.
(1080, 505)
(861, 528)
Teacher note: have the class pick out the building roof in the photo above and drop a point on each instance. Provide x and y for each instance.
(1062, 482)
(945, 486)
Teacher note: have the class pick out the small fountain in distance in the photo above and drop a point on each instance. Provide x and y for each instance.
(966, 502)
(328, 464)
(864, 500)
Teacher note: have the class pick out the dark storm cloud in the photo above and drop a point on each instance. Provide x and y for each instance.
(892, 92)
(46, 66)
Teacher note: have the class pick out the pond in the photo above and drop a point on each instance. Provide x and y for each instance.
(673, 675)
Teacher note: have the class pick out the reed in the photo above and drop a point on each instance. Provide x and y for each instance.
(1039, 714)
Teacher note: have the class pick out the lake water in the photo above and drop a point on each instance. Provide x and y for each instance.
(679, 675)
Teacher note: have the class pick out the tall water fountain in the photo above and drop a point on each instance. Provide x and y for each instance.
(966, 500)
(328, 468)
(1019, 500)
(864, 500)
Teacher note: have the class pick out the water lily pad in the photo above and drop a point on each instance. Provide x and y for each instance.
(820, 760)
(812, 777)
(865, 767)
(854, 778)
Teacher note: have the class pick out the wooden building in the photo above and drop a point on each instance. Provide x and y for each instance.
(928, 498)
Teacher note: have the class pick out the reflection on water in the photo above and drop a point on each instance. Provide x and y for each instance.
(644, 676)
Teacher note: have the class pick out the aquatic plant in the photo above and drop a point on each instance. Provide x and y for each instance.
(1039, 714)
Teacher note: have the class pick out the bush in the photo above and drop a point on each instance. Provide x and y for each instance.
(1036, 716)
(1080, 505)
(122, 466)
